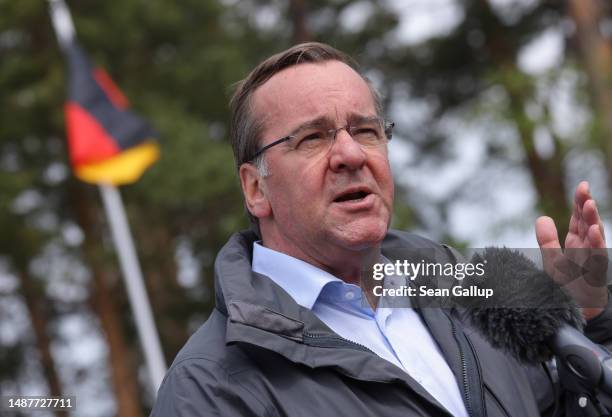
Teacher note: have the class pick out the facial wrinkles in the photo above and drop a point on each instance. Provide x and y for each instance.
(316, 100)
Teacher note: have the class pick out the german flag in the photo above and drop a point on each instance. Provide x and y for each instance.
(108, 143)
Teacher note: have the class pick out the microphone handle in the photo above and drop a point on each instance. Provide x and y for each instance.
(588, 366)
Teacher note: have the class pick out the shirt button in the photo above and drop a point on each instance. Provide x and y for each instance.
(349, 295)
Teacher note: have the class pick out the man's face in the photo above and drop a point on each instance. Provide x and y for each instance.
(321, 208)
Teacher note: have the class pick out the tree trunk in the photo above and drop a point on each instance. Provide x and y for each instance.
(297, 10)
(547, 174)
(597, 56)
(35, 299)
(166, 294)
(123, 374)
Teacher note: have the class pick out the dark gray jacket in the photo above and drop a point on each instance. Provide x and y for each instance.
(261, 354)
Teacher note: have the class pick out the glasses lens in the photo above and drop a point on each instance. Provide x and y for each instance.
(312, 142)
(368, 133)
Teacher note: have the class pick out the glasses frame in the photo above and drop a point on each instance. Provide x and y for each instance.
(387, 125)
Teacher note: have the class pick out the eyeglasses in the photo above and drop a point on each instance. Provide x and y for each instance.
(313, 140)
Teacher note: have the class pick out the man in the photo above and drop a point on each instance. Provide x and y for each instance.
(292, 332)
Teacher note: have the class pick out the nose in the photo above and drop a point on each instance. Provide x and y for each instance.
(346, 154)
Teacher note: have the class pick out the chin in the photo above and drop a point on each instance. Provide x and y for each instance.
(361, 235)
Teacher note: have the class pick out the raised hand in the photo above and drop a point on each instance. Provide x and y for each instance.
(582, 266)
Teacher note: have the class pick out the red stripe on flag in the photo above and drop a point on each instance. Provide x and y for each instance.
(113, 92)
(87, 140)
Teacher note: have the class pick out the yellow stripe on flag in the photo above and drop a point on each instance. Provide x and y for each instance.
(125, 168)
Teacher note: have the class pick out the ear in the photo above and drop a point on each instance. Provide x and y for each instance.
(254, 191)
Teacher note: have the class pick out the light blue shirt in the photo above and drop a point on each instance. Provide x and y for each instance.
(395, 334)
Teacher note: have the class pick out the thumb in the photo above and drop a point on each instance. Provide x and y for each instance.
(550, 247)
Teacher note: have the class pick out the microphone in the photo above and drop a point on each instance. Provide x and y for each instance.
(533, 319)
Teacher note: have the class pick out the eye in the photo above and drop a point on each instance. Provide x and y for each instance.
(310, 140)
(365, 131)
(366, 134)
(313, 136)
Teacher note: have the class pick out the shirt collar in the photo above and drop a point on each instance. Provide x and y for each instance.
(301, 280)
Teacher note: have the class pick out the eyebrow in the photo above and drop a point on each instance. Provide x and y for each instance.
(315, 123)
(357, 118)
(324, 121)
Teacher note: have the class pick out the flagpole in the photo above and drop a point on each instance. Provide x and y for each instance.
(62, 22)
(137, 294)
(124, 245)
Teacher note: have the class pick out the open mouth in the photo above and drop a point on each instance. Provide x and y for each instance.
(354, 196)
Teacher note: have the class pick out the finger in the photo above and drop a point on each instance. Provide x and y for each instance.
(595, 237)
(592, 217)
(573, 234)
(597, 263)
(590, 213)
(582, 194)
(546, 233)
(552, 254)
(582, 226)
(573, 226)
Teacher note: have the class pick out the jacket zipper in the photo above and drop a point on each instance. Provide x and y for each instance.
(464, 377)
(478, 371)
(464, 372)
(320, 340)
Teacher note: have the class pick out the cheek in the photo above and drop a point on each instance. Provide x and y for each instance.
(390, 193)
(307, 181)
(384, 177)
(291, 193)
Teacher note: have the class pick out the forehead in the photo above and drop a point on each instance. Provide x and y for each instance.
(304, 92)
